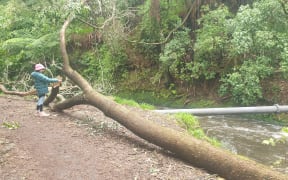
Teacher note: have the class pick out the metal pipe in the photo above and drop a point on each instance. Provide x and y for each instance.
(230, 110)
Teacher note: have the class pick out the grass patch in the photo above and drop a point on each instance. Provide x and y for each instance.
(133, 103)
(202, 104)
(284, 129)
(147, 106)
(191, 124)
(126, 102)
(156, 99)
(11, 125)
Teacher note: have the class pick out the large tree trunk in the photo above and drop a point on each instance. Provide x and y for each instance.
(198, 153)
(155, 10)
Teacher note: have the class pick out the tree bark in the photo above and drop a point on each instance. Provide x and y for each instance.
(155, 10)
(68, 103)
(52, 96)
(196, 152)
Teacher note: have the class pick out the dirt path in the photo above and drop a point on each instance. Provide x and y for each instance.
(79, 144)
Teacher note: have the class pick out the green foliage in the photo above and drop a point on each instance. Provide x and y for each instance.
(188, 121)
(212, 44)
(126, 102)
(48, 42)
(191, 124)
(241, 49)
(270, 141)
(173, 57)
(153, 30)
(284, 129)
(259, 30)
(104, 64)
(274, 142)
(244, 84)
(11, 125)
(91, 68)
(29, 34)
(147, 106)
(202, 103)
(32, 48)
(169, 13)
(16, 45)
(149, 30)
(284, 55)
(133, 103)
(260, 45)
(153, 97)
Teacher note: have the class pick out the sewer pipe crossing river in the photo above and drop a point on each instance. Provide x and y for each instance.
(229, 110)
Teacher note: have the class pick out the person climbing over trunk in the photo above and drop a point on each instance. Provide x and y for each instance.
(41, 83)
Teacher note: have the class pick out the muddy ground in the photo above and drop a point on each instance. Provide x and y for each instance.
(81, 144)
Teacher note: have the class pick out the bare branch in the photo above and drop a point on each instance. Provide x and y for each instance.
(52, 96)
(89, 24)
(170, 33)
(18, 93)
(113, 17)
(284, 6)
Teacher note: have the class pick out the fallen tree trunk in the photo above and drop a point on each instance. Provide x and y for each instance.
(198, 153)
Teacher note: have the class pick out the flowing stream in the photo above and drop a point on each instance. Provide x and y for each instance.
(245, 136)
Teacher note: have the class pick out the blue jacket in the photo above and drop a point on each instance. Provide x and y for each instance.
(42, 82)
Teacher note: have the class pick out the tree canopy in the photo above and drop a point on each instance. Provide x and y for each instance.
(177, 43)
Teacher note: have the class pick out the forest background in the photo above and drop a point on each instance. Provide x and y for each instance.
(170, 53)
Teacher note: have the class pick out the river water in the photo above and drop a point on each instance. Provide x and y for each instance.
(245, 136)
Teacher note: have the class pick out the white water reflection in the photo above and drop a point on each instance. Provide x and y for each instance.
(245, 136)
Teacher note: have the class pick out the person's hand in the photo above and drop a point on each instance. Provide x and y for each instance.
(59, 78)
(58, 83)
